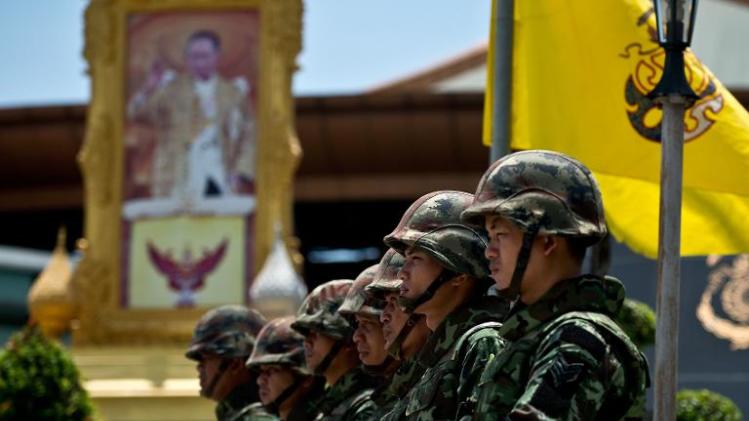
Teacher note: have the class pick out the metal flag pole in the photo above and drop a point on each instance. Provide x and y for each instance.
(669, 263)
(675, 22)
(502, 93)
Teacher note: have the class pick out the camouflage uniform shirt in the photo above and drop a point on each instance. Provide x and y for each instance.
(453, 358)
(386, 396)
(567, 360)
(255, 412)
(231, 407)
(305, 408)
(348, 399)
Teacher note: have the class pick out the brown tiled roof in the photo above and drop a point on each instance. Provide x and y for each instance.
(353, 149)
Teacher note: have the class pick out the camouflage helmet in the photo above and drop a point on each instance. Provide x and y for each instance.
(279, 344)
(541, 190)
(319, 311)
(433, 224)
(386, 279)
(358, 301)
(228, 331)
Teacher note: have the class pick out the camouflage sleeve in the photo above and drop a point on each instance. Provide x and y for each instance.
(480, 348)
(572, 372)
(363, 411)
(254, 412)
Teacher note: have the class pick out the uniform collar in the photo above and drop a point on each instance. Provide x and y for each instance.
(584, 293)
(240, 397)
(477, 310)
(399, 384)
(351, 383)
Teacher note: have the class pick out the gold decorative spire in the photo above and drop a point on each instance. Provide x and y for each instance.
(51, 297)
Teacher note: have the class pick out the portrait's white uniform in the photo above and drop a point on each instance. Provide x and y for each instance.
(205, 135)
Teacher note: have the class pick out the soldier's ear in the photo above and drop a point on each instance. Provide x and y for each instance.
(456, 281)
(237, 364)
(550, 243)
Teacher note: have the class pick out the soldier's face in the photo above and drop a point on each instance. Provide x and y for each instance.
(316, 348)
(417, 273)
(201, 58)
(505, 240)
(369, 340)
(272, 381)
(393, 319)
(208, 368)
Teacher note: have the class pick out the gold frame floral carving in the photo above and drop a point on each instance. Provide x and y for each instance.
(100, 320)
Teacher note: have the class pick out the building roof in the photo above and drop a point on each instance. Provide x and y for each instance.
(464, 72)
(349, 145)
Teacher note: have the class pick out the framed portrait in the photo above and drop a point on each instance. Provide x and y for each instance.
(188, 159)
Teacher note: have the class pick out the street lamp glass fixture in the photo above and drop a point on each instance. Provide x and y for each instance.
(675, 22)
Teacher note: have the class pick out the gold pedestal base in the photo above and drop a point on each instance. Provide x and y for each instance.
(147, 383)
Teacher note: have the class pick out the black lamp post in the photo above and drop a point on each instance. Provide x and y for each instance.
(675, 21)
(675, 24)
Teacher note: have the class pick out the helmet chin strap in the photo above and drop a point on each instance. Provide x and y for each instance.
(395, 349)
(379, 369)
(275, 405)
(325, 363)
(512, 292)
(411, 304)
(208, 392)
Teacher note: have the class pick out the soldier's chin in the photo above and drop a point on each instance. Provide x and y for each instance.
(264, 398)
(500, 283)
(312, 364)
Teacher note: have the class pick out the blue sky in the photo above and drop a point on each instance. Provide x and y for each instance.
(349, 45)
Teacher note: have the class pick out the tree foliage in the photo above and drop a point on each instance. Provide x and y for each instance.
(637, 320)
(705, 405)
(39, 381)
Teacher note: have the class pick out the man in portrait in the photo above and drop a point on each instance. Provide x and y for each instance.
(204, 124)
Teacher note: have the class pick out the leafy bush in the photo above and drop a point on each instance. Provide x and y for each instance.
(705, 405)
(38, 381)
(638, 321)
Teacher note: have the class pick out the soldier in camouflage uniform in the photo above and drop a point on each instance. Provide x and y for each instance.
(404, 333)
(222, 341)
(329, 352)
(567, 359)
(284, 381)
(445, 278)
(363, 312)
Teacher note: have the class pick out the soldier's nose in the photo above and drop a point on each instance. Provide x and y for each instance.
(491, 252)
(385, 316)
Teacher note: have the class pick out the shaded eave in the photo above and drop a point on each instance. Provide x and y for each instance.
(353, 149)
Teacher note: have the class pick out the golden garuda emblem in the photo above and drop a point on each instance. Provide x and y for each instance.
(187, 275)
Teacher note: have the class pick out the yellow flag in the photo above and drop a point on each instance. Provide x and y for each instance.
(489, 98)
(581, 73)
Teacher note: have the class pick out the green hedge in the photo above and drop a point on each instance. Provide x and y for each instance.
(38, 381)
(705, 405)
(638, 321)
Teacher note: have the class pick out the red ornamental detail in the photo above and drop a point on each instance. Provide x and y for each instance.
(186, 276)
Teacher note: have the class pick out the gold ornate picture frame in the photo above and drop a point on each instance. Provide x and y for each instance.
(103, 314)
